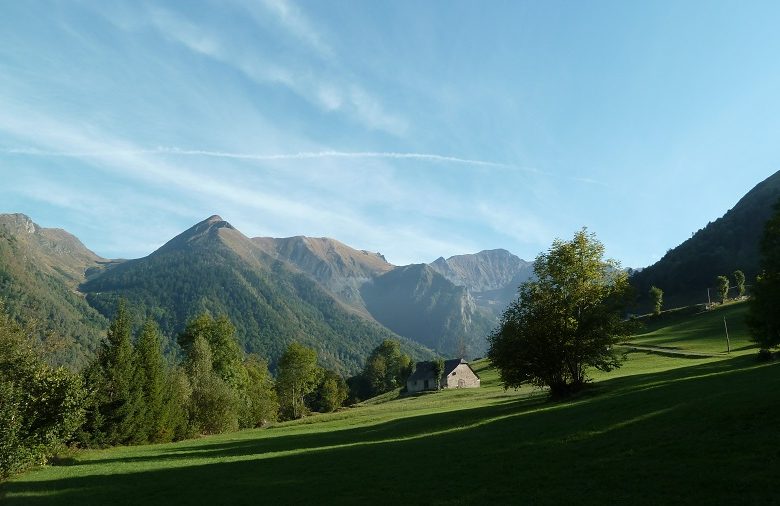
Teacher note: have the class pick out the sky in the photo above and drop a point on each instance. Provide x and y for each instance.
(417, 129)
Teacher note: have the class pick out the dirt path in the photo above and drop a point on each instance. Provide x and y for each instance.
(670, 352)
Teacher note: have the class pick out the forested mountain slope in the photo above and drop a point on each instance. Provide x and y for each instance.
(214, 267)
(729, 243)
(40, 269)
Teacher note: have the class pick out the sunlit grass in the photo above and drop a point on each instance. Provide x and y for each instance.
(648, 433)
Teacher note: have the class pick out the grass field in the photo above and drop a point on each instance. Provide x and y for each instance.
(661, 430)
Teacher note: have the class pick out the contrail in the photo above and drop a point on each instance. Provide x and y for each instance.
(305, 155)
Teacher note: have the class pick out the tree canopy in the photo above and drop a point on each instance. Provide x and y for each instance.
(298, 376)
(565, 321)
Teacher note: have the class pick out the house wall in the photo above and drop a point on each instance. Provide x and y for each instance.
(462, 372)
(415, 386)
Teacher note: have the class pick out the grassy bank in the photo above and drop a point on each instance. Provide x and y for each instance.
(661, 430)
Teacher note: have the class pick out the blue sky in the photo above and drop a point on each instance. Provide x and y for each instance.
(416, 129)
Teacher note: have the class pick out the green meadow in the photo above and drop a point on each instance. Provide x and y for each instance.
(661, 430)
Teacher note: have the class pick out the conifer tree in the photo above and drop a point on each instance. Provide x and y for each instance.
(151, 372)
(117, 399)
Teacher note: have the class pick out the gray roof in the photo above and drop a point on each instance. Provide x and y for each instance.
(424, 370)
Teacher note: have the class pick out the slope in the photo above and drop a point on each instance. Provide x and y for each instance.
(340, 269)
(647, 435)
(491, 276)
(728, 243)
(40, 270)
(214, 267)
(417, 302)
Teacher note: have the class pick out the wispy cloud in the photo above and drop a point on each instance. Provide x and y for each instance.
(390, 155)
(292, 17)
(331, 90)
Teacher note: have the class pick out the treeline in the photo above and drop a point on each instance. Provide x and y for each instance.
(132, 394)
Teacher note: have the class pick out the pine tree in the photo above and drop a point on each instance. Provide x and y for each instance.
(151, 372)
(118, 401)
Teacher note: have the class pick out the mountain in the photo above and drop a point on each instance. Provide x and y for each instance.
(214, 267)
(723, 246)
(40, 270)
(413, 301)
(340, 300)
(491, 276)
(337, 267)
(417, 302)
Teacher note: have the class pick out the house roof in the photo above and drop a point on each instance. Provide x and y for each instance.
(424, 370)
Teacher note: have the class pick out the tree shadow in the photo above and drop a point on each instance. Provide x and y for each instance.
(630, 437)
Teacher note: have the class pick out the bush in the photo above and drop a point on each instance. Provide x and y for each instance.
(764, 355)
(40, 407)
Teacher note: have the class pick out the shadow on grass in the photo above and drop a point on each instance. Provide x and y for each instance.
(631, 438)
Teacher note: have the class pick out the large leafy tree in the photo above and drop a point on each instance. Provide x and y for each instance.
(227, 356)
(764, 315)
(565, 321)
(298, 376)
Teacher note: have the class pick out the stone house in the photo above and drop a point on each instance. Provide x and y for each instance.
(457, 374)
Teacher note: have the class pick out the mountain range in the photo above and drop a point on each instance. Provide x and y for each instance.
(319, 291)
(339, 300)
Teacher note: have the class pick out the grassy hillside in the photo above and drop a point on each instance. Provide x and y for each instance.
(661, 430)
(696, 330)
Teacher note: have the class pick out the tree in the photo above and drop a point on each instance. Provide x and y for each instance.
(227, 357)
(298, 376)
(40, 407)
(331, 392)
(438, 370)
(386, 368)
(213, 406)
(764, 317)
(722, 284)
(658, 299)
(115, 402)
(564, 322)
(263, 405)
(151, 372)
(739, 279)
